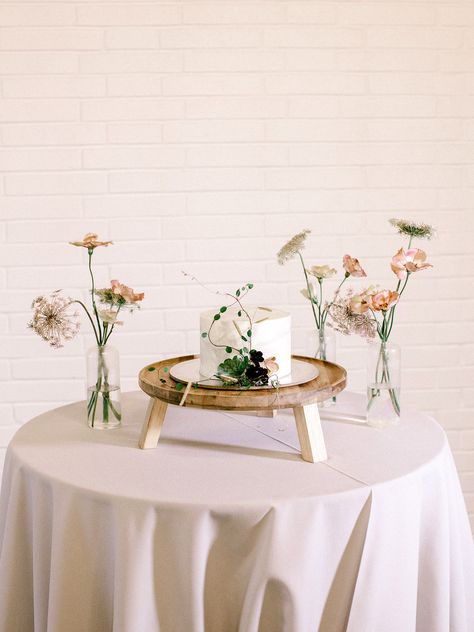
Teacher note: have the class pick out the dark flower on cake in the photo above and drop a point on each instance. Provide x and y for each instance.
(256, 356)
(257, 375)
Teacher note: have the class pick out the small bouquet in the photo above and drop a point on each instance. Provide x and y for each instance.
(56, 321)
(372, 311)
(315, 294)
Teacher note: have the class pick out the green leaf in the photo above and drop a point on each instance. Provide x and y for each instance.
(195, 385)
(217, 316)
(223, 309)
(179, 386)
(228, 349)
(166, 369)
(245, 350)
(239, 313)
(244, 338)
(249, 333)
(234, 367)
(250, 286)
(237, 293)
(204, 334)
(152, 368)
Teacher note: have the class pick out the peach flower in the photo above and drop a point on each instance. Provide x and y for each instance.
(360, 303)
(125, 292)
(382, 301)
(411, 260)
(352, 267)
(90, 241)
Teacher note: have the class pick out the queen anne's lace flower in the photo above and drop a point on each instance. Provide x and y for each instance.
(53, 319)
(412, 229)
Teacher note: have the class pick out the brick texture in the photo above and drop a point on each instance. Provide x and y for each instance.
(200, 135)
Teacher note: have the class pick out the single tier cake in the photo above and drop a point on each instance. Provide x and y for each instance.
(271, 334)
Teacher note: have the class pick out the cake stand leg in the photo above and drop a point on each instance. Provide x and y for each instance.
(310, 433)
(266, 413)
(154, 418)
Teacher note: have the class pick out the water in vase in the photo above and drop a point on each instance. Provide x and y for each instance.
(382, 401)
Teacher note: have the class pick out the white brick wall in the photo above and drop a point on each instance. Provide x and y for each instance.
(200, 135)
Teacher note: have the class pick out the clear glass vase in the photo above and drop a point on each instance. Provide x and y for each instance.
(103, 387)
(323, 347)
(383, 384)
(323, 344)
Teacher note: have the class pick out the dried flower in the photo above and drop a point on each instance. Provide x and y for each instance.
(382, 301)
(292, 247)
(271, 366)
(90, 241)
(109, 316)
(411, 260)
(412, 229)
(352, 267)
(346, 321)
(119, 295)
(53, 319)
(322, 272)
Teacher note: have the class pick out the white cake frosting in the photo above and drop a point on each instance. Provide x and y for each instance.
(271, 334)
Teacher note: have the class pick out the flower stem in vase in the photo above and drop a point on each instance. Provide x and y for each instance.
(383, 385)
(103, 375)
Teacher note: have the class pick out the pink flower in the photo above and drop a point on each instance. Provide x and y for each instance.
(382, 301)
(352, 267)
(411, 260)
(90, 241)
(125, 292)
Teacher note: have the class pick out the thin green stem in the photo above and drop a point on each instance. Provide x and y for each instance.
(336, 294)
(90, 253)
(90, 319)
(310, 294)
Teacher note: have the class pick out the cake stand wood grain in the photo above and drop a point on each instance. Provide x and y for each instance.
(155, 381)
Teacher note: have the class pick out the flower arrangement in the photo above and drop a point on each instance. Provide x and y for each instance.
(56, 321)
(372, 311)
(245, 367)
(315, 294)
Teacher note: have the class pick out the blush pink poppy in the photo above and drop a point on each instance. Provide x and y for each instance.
(411, 260)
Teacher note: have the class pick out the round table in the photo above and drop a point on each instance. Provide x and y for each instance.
(224, 528)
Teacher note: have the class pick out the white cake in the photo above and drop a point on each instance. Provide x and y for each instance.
(271, 334)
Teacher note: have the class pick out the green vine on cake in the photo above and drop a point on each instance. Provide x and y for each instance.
(245, 366)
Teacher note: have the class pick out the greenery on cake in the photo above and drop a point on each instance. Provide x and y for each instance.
(245, 366)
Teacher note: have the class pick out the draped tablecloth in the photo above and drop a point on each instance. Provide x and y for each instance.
(224, 528)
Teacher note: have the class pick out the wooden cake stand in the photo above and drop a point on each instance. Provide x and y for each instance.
(156, 382)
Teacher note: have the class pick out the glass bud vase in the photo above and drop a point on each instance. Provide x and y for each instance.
(103, 387)
(383, 384)
(323, 347)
